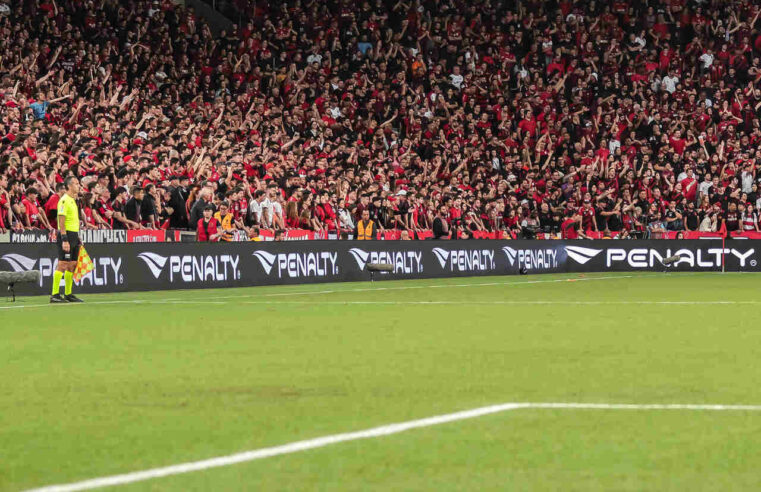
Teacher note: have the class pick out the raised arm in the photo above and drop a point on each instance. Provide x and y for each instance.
(43, 79)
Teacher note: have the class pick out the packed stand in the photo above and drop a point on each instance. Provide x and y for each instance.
(586, 117)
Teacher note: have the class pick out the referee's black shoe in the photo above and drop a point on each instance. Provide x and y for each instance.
(56, 299)
(72, 298)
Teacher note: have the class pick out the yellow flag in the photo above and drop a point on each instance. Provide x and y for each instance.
(84, 265)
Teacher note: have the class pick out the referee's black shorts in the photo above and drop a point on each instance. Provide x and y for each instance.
(74, 245)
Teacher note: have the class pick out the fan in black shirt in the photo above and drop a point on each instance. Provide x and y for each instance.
(673, 218)
(733, 218)
(691, 218)
(547, 220)
(132, 209)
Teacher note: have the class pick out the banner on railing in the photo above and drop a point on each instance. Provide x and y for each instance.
(746, 235)
(103, 236)
(146, 236)
(87, 236)
(295, 235)
(31, 236)
(145, 266)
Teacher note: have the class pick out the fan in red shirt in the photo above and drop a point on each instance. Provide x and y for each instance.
(237, 206)
(689, 186)
(330, 215)
(106, 210)
(208, 226)
(570, 226)
(32, 216)
(324, 213)
(51, 206)
(588, 219)
(678, 142)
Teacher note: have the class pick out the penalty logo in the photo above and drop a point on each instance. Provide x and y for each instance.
(154, 262)
(296, 265)
(107, 270)
(532, 259)
(402, 261)
(19, 263)
(442, 255)
(360, 257)
(464, 260)
(581, 255)
(511, 254)
(188, 268)
(266, 259)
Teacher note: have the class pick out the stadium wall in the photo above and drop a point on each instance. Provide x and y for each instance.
(158, 266)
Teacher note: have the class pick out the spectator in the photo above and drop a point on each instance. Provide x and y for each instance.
(32, 216)
(276, 208)
(669, 82)
(709, 223)
(732, 219)
(105, 209)
(691, 218)
(207, 226)
(226, 221)
(148, 208)
(673, 218)
(345, 220)
(253, 234)
(588, 216)
(40, 107)
(133, 207)
(178, 196)
(119, 206)
(292, 215)
(260, 209)
(51, 205)
(365, 229)
(530, 225)
(656, 227)
(441, 224)
(203, 201)
(90, 215)
(749, 219)
(570, 228)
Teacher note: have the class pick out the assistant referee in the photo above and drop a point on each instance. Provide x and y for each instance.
(68, 242)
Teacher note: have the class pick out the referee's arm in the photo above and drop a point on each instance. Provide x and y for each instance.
(62, 231)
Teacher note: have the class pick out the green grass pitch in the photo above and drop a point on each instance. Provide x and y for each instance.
(128, 382)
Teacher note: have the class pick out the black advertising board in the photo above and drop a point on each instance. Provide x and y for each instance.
(137, 267)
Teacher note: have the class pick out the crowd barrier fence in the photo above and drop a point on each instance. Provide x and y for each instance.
(158, 266)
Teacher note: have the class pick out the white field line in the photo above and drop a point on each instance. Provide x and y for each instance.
(208, 299)
(416, 303)
(574, 278)
(374, 432)
(419, 303)
(437, 286)
(133, 301)
(509, 303)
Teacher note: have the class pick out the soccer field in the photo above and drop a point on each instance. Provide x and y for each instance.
(132, 382)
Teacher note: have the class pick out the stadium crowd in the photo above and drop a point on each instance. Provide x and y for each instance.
(517, 116)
